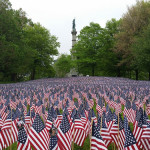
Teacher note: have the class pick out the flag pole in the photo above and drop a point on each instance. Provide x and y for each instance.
(11, 130)
(118, 130)
(114, 145)
(73, 139)
(101, 123)
(30, 117)
(91, 133)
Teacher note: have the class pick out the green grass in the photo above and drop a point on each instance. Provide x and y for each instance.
(86, 145)
(13, 146)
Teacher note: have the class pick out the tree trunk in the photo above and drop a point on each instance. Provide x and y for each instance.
(33, 74)
(118, 72)
(93, 70)
(137, 74)
(14, 77)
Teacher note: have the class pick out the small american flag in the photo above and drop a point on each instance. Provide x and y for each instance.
(115, 133)
(64, 134)
(130, 141)
(38, 135)
(97, 142)
(23, 142)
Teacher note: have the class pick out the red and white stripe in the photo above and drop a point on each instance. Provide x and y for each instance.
(39, 140)
(79, 132)
(97, 144)
(64, 139)
(118, 138)
(26, 146)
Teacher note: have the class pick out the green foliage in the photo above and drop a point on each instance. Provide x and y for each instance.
(86, 145)
(13, 146)
(112, 146)
(28, 108)
(26, 48)
(62, 65)
(61, 111)
(130, 46)
(141, 50)
(131, 126)
(94, 49)
(122, 107)
(42, 45)
(94, 107)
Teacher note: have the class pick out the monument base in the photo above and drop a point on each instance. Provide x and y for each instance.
(72, 73)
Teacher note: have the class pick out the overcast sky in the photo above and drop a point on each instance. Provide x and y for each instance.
(57, 15)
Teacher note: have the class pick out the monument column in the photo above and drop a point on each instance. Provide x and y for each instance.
(73, 72)
(73, 32)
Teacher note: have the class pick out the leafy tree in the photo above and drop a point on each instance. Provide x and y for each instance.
(89, 48)
(63, 65)
(141, 50)
(11, 25)
(42, 47)
(93, 49)
(132, 23)
(26, 48)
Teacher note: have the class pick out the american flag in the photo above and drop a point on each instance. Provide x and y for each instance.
(84, 120)
(93, 116)
(23, 141)
(54, 143)
(99, 106)
(115, 133)
(148, 106)
(146, 138)
(38, 135)
(9, 130)
(130, 141)
(49, 121)
(105, 133)
(97, 142)
(128, 111)
(1, 122)
(64, 134)
(109, 119)
(79, 134)
(138, 130)
(2, 144)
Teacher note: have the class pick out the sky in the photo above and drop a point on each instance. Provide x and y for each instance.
(57, 15)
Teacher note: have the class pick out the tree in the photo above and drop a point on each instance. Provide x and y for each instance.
(93, 49)
(42, 46)
(87, 49)
(141, 50)
(132, 23)
(62, 65)
(11, 26)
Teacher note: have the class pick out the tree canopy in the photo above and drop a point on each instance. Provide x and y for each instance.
(26, 48)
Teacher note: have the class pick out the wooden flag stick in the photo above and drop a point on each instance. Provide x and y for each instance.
(91, 133)
(11, 130)
(30, 117)
(118, 130)
(73, 140)
(114, 145)
(101, 123)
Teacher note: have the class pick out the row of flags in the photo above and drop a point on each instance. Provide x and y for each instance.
(28, 112)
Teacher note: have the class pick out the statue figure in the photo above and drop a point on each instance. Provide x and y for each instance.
(73, 27)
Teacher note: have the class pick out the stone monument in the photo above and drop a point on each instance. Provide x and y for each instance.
(73, 72)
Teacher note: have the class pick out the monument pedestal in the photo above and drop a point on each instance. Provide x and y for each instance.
(72, 73)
